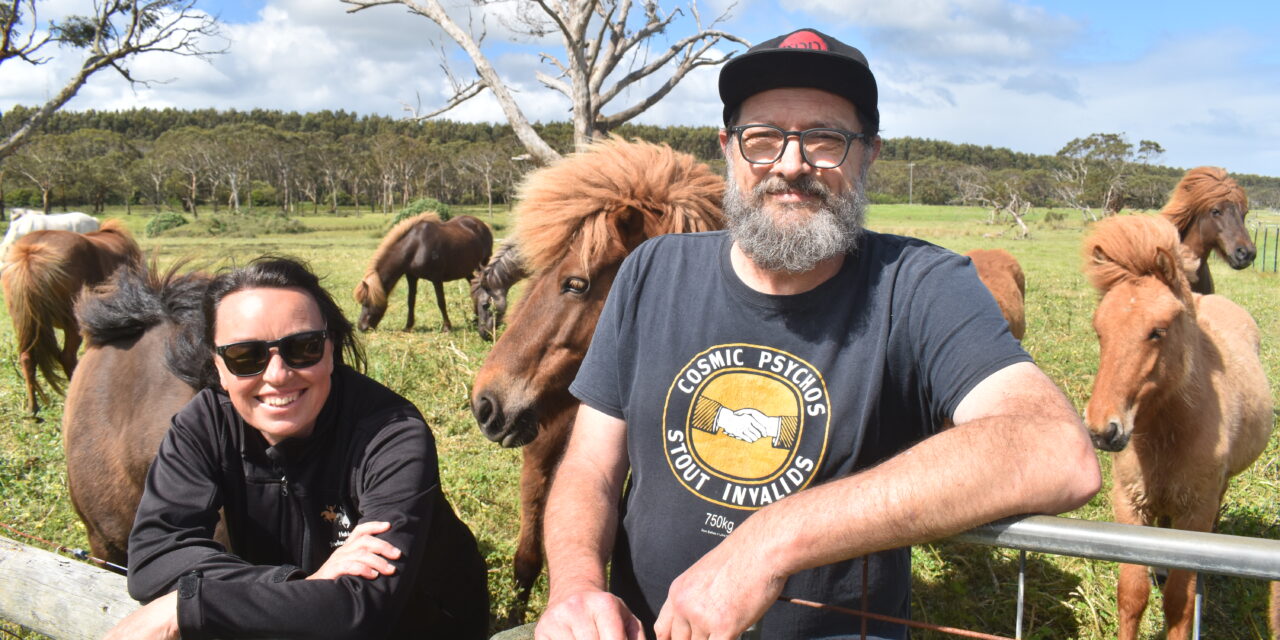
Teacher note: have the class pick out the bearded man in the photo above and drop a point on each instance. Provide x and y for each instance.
(791, 403)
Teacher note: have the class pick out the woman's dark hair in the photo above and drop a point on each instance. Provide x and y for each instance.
(278, 272)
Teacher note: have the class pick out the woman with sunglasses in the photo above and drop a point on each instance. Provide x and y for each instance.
(327, 482)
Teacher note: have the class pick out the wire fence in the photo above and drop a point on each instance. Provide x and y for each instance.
(1266, 237)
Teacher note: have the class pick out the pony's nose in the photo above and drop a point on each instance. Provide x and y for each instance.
(1111, 438)
(1245, 256)
(487, 416)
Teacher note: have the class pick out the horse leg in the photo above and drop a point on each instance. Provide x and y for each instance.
(1133, 588)
(413, 299)
(70, 347)
(1275, 610)
(28, 365)
(539, 462)
(444, 313)
(1180, 587)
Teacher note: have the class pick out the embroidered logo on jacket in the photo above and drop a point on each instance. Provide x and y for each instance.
(746, 425)
(337, 516)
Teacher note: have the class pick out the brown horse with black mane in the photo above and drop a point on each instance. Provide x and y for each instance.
(1180, 395)
(577, 220)
(491, 283)
(143, 362)
(422, 247)
(47, 270)
(1209, 208)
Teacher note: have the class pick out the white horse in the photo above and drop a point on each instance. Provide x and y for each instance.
(30, 221)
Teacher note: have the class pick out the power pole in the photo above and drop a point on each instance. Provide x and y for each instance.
(911, 182)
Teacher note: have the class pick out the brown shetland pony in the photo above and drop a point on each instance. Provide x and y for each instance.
(1002, 274)
(46, 271)
(124, 392)
(422, 247)
(1181, 384)
(1209, 208)
(577, 220)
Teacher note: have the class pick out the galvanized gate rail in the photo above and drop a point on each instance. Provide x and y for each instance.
(1266, 237)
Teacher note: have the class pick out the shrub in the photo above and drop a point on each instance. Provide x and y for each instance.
(163, 222)
(421, 205)
(240, 226)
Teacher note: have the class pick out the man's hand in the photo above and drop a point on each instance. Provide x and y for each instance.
(746, 424)
(721, 595)
(363, 554)
(156, 621)
(587, 615)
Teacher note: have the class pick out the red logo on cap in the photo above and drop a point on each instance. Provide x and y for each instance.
(804, 40)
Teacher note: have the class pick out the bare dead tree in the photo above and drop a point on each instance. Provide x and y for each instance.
(116, 32)
(1070, 182)
(599, 44)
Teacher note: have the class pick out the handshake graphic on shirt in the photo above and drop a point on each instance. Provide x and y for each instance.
(746, 424)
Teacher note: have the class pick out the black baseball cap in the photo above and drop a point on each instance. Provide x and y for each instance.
(803, 58)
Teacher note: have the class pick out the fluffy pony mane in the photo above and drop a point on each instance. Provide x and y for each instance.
(1198, 189)
(1127, 248)
(370, 290)
(674, 191)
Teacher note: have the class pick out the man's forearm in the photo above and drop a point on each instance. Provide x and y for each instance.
(958, 479)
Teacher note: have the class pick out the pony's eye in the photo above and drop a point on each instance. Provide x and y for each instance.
(1157, 333)
(575, 285)
(1215, 212)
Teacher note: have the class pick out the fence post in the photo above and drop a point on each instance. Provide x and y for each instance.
(59, 597)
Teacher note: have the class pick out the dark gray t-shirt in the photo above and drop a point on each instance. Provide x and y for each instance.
(735, 399)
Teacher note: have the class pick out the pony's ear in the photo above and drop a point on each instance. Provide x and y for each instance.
(1169, 268)
(362, 292)
(1099, 256)
(630, 223)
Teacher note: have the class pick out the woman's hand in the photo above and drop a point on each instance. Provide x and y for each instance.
(363, 554)
(155, 621)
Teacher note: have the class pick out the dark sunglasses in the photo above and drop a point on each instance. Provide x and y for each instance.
(249, 358)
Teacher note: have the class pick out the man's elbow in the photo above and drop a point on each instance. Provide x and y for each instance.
(1076, 467)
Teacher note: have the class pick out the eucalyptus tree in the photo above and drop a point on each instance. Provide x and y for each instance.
(606, 52)
(111, 37)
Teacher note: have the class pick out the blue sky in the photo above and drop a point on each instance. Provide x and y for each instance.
(1202, 79)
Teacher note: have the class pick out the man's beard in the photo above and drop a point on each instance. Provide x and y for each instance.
(805, 238)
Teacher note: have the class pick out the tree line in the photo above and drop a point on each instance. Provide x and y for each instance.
(211, 160)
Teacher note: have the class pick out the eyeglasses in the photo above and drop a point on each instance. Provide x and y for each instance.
(822, 148)
(249, 358)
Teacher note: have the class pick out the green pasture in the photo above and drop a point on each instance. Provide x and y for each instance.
(956, 585)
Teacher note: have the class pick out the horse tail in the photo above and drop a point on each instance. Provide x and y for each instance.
(38, 288)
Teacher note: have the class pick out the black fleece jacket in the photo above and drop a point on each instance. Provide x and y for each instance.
(370, 457)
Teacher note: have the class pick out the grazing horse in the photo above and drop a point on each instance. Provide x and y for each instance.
(47, 269)
(27, 220)
(1002, 274)
(490, 285)
(1209, 208)
(422, 247)
(1181, 384)
(577, 220)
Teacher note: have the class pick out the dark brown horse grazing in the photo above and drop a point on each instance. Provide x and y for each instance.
(47, 270)
(491, 283)
(1002, 274)
(1209, 208)
(127, 387)
(577, 220)
(422, 247)
(1180, 395)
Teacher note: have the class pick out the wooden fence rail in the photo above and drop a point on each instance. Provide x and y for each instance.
(58, 596)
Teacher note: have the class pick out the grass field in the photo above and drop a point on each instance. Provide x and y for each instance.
(956, 585)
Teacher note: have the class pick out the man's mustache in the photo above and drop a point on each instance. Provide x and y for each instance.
(804, 184)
